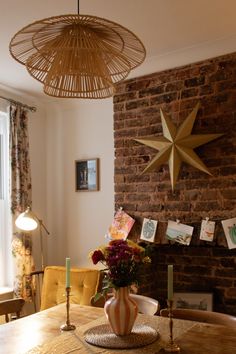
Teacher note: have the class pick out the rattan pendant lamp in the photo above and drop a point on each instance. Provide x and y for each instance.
(77, 56)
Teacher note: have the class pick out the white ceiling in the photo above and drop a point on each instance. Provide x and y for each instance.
(174, 32)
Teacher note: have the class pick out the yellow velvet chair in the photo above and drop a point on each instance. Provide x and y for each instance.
(84, 283)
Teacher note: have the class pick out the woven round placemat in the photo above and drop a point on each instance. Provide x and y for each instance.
(102, 336)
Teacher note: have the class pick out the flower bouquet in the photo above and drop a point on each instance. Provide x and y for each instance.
(124, 261)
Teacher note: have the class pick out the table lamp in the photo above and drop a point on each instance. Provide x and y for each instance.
(29, 221)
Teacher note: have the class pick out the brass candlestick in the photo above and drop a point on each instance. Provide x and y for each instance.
(172, 347)
(68, 326)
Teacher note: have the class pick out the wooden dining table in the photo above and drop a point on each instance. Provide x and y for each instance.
(40, 334)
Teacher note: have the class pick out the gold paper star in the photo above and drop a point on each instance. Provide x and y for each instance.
(176, 145)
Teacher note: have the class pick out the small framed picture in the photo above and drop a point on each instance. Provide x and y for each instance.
(148, 230)
(87, 175)
(193, 301)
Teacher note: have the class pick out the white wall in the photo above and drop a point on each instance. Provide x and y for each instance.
(61, 133)
(78, 221)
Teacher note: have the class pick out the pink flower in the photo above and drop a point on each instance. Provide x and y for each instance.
(97, 256)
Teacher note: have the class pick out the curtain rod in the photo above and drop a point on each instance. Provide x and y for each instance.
(29, 108)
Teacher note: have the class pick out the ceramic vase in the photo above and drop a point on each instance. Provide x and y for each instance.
(121, 312)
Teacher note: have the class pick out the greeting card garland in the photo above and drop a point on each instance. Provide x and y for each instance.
(176, 232)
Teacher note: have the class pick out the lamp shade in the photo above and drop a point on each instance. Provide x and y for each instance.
(27, 221)
(77, 56)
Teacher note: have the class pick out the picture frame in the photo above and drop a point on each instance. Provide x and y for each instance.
(193, 301)
(87, 175)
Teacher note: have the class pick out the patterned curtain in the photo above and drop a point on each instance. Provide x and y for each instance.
(20, 200)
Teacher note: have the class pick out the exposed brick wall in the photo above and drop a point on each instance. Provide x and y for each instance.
(202, 266)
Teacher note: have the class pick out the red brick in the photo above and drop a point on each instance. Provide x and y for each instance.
(120, 124)
(124, 115)
(153, 91)
(206, 206)
(125, 133)
(231, 292)
(118, 107)
(229, 193)
(124, 97)
(119, 198)
(137, 104)
(195, 81)
(137, 197)
(166, 98)
(206, 90)
(174, 86)
(192, 92)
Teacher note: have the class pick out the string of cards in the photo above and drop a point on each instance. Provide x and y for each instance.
(176, 231)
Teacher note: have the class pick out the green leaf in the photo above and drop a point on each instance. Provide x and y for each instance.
(97, 296)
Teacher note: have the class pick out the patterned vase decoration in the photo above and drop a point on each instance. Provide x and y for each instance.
(121, 312)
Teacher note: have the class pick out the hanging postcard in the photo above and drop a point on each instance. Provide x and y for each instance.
(180, 233)
(229, 227)
(148, 230)
(121, 226)
(207, 230)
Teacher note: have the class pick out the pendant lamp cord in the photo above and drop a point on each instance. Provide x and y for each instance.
(78, 7)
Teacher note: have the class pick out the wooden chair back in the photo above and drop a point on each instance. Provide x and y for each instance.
(202, 316)
(37, 283)
(11, 306)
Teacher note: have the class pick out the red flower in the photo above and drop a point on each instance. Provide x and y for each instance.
(97, 256)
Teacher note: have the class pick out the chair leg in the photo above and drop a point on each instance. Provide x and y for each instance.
(34, 301)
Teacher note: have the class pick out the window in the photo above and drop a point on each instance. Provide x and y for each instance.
(5, 215)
